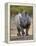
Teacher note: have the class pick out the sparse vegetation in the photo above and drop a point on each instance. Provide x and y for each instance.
(16, 9)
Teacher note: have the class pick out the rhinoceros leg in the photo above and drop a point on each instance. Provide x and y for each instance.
(18, 32)
(22, 31)
(27, 29)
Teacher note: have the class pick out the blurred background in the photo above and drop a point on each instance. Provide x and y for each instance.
(16, 9)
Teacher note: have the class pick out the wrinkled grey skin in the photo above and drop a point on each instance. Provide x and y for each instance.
(25, 22)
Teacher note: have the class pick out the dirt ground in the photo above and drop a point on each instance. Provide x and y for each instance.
(13, 34)
(15, 37)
